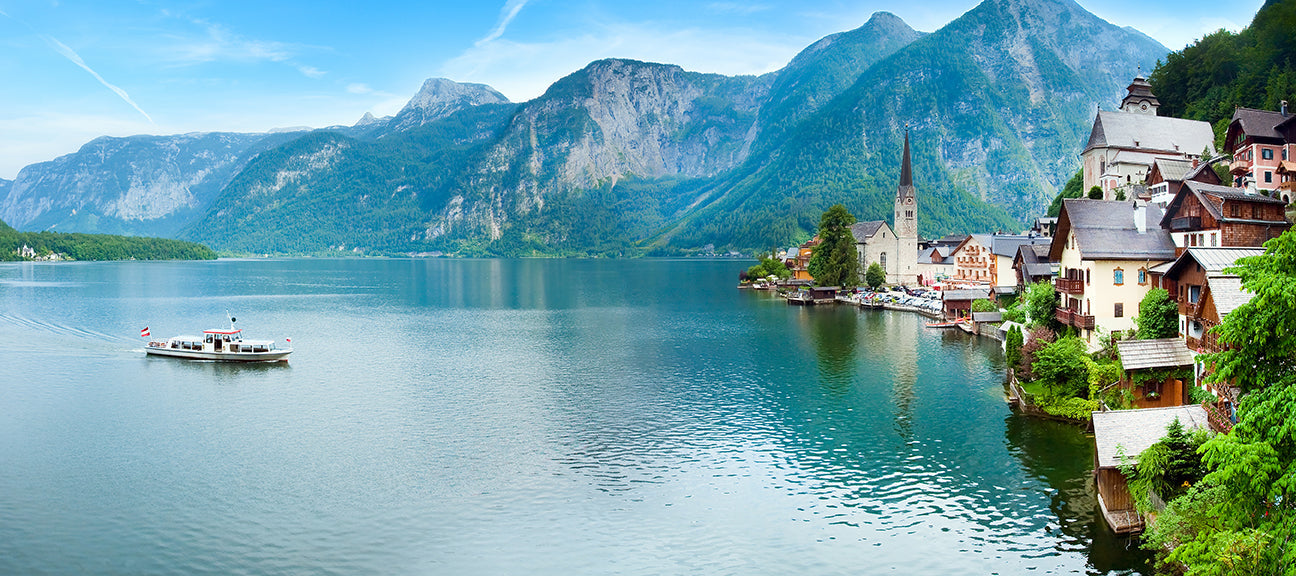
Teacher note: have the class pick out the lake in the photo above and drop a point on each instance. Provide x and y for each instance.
(516, 417)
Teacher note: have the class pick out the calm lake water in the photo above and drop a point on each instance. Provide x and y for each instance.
(516, 417)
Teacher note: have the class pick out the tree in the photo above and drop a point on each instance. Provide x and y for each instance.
(1074, 189)
(1095, 193)
(984, 305)
(1158, 316)
(835, 262)
(1259, 344)
(1013, 347)
(875, 276)
(1120, 194)
(1062, 367)
(1041, 304)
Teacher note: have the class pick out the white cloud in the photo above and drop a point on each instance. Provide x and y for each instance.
(507, 14)
(75, 58)
(358, 88)
(523, 70)
(311, 71)
(737, 7)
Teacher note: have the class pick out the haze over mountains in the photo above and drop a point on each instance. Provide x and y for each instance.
(624, 156)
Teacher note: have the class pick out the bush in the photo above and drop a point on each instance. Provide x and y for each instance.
(875, 276)
(984, 306)
(1158, 316)
(1067, 407)
(1041, 301)
(1039, 337)
(1095, 193)
(1063, 366)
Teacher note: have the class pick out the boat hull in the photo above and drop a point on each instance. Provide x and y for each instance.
(271, 356)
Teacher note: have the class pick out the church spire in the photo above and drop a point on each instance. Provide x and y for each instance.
(906, 174)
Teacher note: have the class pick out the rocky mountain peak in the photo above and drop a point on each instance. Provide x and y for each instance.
(439, 98)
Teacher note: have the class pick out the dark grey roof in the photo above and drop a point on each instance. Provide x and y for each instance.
(987, 316)
(906, 174)
(968, 294)
(1035, 260)
(1212, 197)
(1173, 169)
(1160, 353)
(1006, 244)
(1133, 431)
(1105, 230)
(942, 255)
(1214, 260)
(862, 230)
(1148, 132)
(1258, 123)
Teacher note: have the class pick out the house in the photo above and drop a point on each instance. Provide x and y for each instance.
(1004, 248)
(1205, 292)
(973, 262)
(800, 261)
(1259, 141)
(1104, 250)
(958, 303)
(1146, 357)
(1207, 215)
(1124, 143)
(935, 264)
(1044, 226)
(1168, 174)
(1031, 265)
(1130, 432)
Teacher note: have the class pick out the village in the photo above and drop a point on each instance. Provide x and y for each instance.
(1134, 275)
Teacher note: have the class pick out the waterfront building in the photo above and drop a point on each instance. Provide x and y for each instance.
(1131, 432)
(958, 303)
(1205, 292)
(1207, 215)
(1124, 143)
(1260, 141)
(876, 242)
(973, 262)
(799, 263)
(988, 259)
(1104, 250)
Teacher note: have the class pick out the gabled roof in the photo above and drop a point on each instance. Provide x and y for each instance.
(966, 294)
(1212, 197)
(1160, 353)
(941, 253)
(1133, 431)
(1148, 132)
(1212, 260)
(1227, 292)
(1254, 124)
(1170, 169)
(863, 230)
(1034, 260)
(1006, 244)
(1105, 230)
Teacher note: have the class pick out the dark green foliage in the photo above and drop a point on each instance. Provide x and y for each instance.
(1095, 193)
(1013, 347)
(875, 276)
(767, 266)
(1167, 468)
(835, 261)
(1254, 68)
(1120, 195)
(1261, 347)
(1158, 316)
(984, 306)
(1073, 189)
(98, 246)
(1040, 337)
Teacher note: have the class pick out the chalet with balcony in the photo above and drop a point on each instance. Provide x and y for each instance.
(1124, 143)
(1260, 140)
(1104, 250)
(1207, 215)
(799, 261)
(1206, 293)
(973, 262)
(1032, 265)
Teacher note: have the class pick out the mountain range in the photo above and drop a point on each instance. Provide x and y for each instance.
(625, 157)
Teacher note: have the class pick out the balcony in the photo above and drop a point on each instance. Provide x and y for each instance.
(1072, 318)
(1073, 286)
(1239, 167)
(1185, 223)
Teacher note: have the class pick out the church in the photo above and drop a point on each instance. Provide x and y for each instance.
(894, 249)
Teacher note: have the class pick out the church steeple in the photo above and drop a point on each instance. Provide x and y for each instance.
(906, 175)
(905, 258)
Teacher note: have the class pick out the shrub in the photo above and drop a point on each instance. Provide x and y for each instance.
(1039, 337)
(984, 305)
(1013, 347)
(1063, 366)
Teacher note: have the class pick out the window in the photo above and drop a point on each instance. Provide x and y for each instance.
(1118, 277)
(1192, 239)
(908, 213)
(884, 261)
(1212, 239)
(1268, 177)
(1120, 309)
(1086, 276)
(1142, 276)
(1235, 211)
(1194, 293)
(1266, 153)
(1255, 212)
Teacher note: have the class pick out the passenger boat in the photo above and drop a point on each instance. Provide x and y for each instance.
(220, 345)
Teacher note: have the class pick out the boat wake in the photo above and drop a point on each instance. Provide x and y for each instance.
(60, 329)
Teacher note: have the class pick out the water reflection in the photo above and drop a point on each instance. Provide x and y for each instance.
(834, 332)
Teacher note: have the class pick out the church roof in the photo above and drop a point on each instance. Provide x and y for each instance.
(1140, 89)
(1147, 132)
(862, 230)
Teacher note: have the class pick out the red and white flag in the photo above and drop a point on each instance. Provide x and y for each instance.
(145, 332)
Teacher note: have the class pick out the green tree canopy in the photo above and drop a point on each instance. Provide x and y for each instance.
(1062, 367)
(1258, 336)
(875, 276)
(835, 261)
(1095, 193)
(1041, 304)
(1074, 189)
(1158, 316)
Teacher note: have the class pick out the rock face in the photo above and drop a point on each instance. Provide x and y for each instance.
(142, 185)
(439, 98)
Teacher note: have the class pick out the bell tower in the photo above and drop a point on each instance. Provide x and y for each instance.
(905, 267)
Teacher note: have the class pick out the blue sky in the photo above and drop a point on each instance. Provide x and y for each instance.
(77, 69)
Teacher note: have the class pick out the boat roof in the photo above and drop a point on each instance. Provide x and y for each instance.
(218, 331)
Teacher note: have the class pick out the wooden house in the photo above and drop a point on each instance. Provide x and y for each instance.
(1208, 216)
(1141, 356)
(1169, 174)
(1031, 265)
(1259, 141)
(1131, 432)
(958, 303)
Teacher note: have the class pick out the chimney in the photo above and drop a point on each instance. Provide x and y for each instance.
(1283, 109)
(1196, 161)
(1140, 218)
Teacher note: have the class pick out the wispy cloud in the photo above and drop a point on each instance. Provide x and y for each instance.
(359, 88)
(311, 71)
(507, 14)
(737, 7)
(220, 44)
(75, 58)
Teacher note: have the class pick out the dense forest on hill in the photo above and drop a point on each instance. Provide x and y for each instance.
(96, 247)
(1254, 68)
